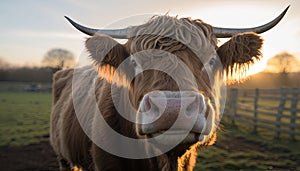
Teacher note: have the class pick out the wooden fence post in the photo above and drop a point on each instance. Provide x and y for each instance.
(255, 110)
(233, 104)
(280, 112)
(294, 102)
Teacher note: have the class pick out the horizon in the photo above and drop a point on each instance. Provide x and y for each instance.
(39, 27)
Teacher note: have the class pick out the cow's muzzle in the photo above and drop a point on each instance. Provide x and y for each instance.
(173, 113)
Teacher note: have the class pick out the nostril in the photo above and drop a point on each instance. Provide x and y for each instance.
(191, 108)
(146, 104)
(150, 104)
(157, 105)
(197, 106)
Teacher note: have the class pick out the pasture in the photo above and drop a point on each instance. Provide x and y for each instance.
(24, 127)
(24, 118)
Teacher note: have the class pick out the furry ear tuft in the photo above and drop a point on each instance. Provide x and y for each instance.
(240, 52)
(107, 54)
(105, 50)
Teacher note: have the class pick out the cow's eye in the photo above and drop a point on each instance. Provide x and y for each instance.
(134, 63)
(212, 62)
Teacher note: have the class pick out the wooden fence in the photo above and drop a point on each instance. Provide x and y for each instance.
(277, 110)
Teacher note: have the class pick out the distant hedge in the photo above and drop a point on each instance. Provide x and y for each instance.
(26, 74)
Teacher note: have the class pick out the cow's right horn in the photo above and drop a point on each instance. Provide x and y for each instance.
(228, 32)
(115, 33)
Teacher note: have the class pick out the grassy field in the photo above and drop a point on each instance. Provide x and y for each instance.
(240, 150)
(24, 119)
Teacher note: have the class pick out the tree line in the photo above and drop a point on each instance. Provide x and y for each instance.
(283, 70)
(27, 74)
(54, 60)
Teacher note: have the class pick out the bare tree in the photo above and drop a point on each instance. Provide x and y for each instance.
(59, 58)
(283, 63)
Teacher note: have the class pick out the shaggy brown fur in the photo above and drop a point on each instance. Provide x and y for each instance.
(68, 139)
(67, 145)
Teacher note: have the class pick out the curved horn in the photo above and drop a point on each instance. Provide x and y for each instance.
(229, 32)
(115, 33)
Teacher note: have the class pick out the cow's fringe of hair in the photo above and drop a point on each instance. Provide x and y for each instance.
(173, 34)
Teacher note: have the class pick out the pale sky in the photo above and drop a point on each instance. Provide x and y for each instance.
(30, 28)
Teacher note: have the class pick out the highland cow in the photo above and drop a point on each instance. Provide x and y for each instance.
(169, 71)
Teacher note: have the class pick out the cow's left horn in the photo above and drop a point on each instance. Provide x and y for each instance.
(115, 33)
(229, 32)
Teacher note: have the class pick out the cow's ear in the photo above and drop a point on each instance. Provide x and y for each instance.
(239, 53)
(107, 54)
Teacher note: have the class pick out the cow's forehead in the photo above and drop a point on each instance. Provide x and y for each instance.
(200, 40)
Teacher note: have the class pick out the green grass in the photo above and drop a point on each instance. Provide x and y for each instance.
(258, 154)
(24, 117)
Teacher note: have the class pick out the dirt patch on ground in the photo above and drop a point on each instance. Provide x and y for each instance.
(239, 144)
(34, 157)
(234, 144)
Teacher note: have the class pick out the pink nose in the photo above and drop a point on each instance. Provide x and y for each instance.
(159, 110)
